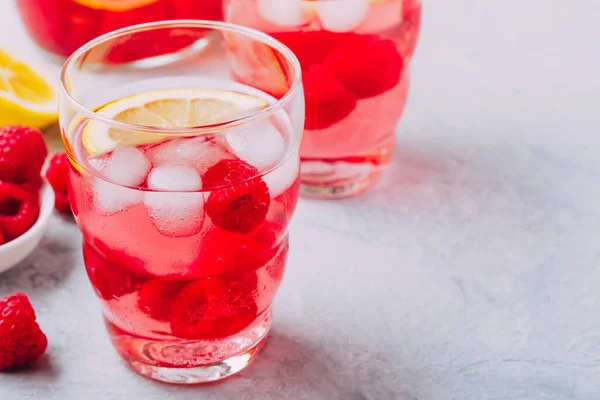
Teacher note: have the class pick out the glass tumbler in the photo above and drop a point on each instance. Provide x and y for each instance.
(354, 56)
(183, 183)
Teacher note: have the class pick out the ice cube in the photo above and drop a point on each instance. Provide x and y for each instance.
(126, 166)
(111, 199)
(173, 211)
(259, 144)
(200, 153)
(342, 16)
(282, 12)
(280, 179)
(164, 153)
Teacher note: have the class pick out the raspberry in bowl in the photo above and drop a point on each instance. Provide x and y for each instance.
(26, 201)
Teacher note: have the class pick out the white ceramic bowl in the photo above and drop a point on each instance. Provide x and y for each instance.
(14, 252)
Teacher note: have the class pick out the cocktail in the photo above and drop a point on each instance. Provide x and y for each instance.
(62, 26)
(354, 55)
(183, 183)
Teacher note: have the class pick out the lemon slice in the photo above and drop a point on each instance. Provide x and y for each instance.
(26, 98)
(174, 108)
(115, 5)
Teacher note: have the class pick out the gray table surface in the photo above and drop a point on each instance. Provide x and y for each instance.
(471, 272)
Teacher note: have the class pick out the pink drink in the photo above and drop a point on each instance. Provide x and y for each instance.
(62, 26)
(354, 55)
(183, 183)
(183, 284)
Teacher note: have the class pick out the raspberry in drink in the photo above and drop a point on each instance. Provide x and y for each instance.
(183, 187)
(354, 56)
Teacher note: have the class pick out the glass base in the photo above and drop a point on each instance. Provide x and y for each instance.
(337, 180)
(201, 374)
(191, 362)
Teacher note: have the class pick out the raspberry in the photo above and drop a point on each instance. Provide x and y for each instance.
(34, 185)
(22, 154)
(107, 275)
(1, 238)
(239, 208)
(62, 203)
(327, 100)
(312, 47)
(58, 176)
(215, 307)
(227, 173)
(367, 66)
(155, 297)
(58, 172)
(19, 210)
(21, 339)
(223, 252)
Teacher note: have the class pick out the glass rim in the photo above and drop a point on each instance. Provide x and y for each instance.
(182, 23)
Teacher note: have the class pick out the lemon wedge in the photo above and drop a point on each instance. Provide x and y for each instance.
(174, 108)
(25, 97)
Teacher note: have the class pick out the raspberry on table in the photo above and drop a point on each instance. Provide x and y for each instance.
(21, 339)
(239, 208)
(22, 154)
(58, 176)
(58, 172)
(1, 238)
(19, 210)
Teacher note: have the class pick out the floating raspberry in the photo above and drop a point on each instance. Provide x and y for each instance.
(107, 275)
(155, 297)
(215, 307)
(366, 65)
(58, 176)
(312, 47)
(19, 210)
(22, 154)
(327, 100)
(21, 339)
(239, 208)
(227, 173)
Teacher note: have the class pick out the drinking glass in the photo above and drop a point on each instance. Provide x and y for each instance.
(355, 56)
(183, 183)
(61, 26)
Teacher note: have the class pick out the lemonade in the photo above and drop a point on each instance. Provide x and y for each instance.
(354, 56)
(185, 237)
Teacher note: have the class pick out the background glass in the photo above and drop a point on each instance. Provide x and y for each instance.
(355, 56)
(62, 26)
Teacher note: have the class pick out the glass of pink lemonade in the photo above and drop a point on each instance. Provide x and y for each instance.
(183, 183)
(354, 56)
